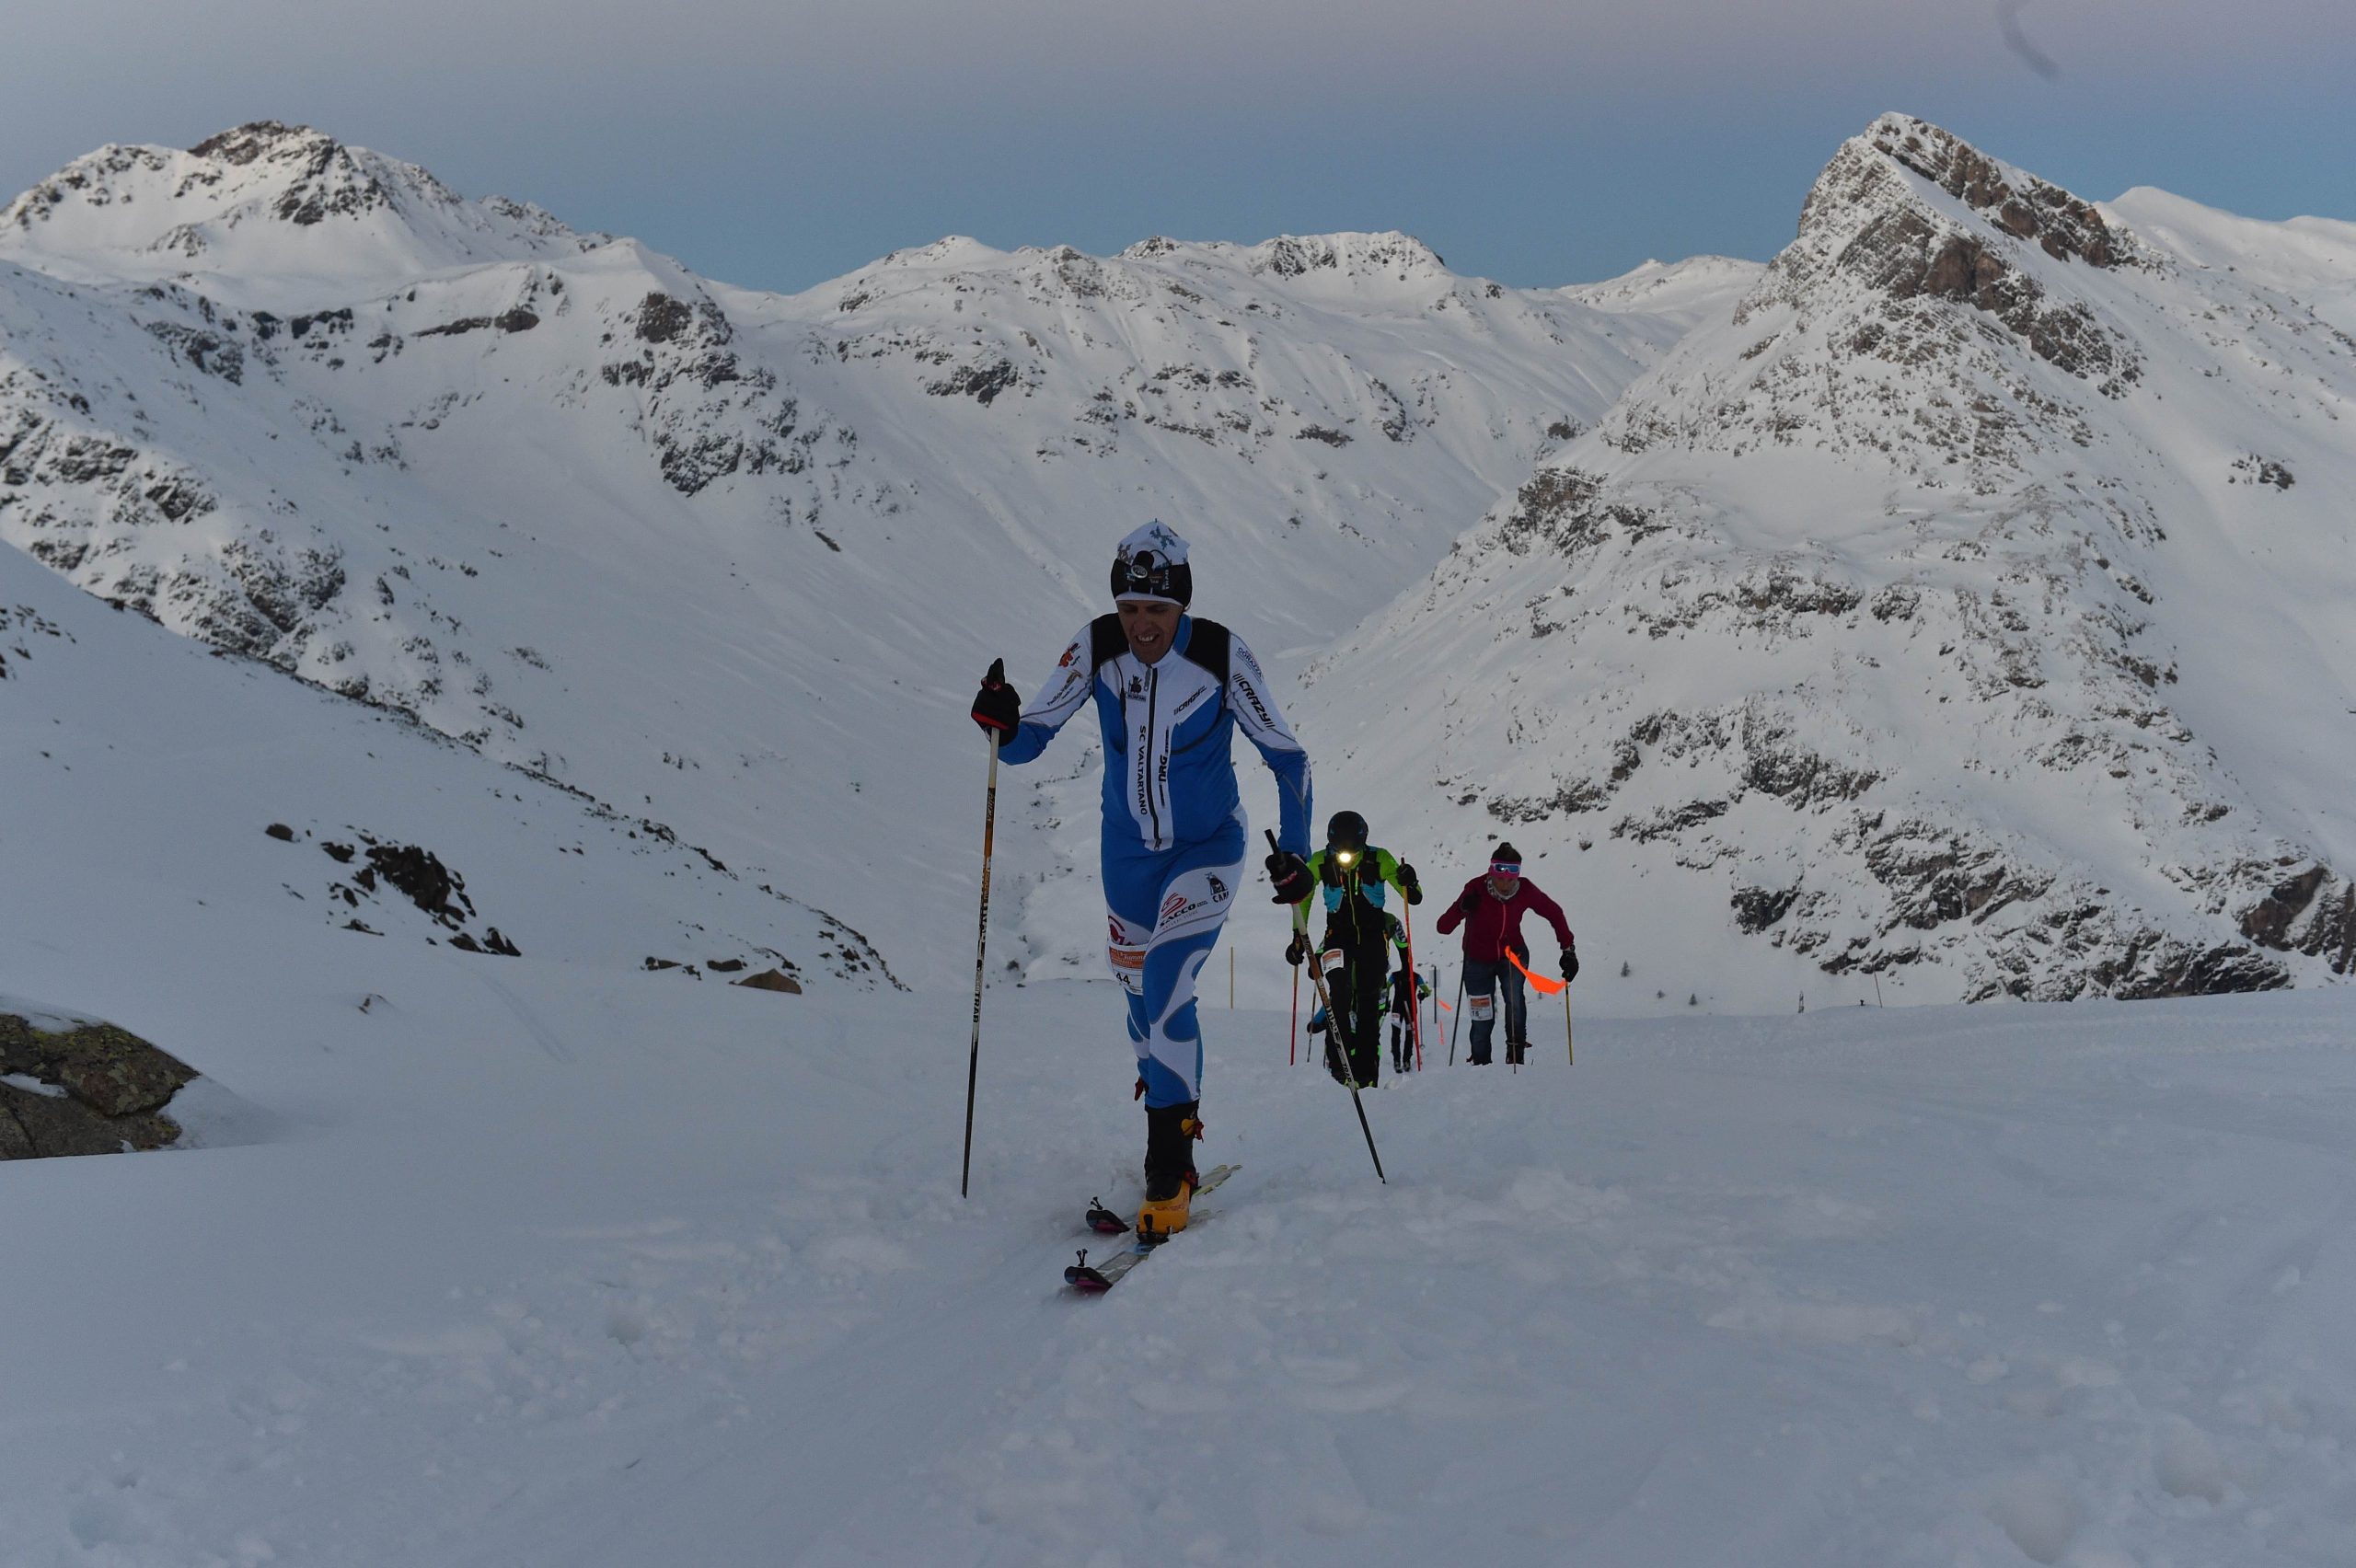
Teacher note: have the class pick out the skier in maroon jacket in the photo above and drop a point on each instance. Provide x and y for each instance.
(1490, 909)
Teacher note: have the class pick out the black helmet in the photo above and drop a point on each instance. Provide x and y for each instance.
(1346, 830)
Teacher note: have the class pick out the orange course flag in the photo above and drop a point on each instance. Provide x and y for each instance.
(1543, 986)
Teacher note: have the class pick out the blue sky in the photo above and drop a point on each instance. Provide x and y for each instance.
(778, 145)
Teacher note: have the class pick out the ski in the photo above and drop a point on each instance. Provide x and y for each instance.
(1090, 1277)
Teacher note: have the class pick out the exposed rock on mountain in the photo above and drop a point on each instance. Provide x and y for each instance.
(1916, 608)
(686, 546)
(1958, 600)
(150, 771)
(267, 201)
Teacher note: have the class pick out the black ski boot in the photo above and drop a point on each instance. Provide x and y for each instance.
(1169, 1179)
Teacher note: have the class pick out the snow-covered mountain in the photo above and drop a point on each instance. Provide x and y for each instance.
(1970, 604)
(267, 207)
(1954, 605)
(142, 772)
(732, 559)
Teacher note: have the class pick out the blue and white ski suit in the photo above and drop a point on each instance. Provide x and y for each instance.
(1175, 832)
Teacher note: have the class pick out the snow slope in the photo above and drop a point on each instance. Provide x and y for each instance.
(1698, 289)
(1963, 614)
(600, 1269)
(141, 771)
(733, 558)
(2309, 260)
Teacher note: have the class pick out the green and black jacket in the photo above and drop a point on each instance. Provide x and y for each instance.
(1355, 894)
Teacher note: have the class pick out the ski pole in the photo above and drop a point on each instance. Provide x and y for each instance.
(1513, 1057)
(981, 944)
(1456, 1024)
(1568, 1049)
(1292, 1046)
(1414, 1003)
(1333, 1024)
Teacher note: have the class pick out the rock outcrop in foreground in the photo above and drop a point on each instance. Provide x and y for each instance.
(75, 1086)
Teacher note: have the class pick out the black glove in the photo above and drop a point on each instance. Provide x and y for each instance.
(1296, 950)
(1469, 902)
(996, 706)
(1290, 873)
(1408, 884)
(1570, 963)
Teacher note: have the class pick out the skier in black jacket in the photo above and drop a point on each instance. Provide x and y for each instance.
(1352, 876)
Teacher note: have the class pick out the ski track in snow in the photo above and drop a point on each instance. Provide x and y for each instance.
(2060, 1284)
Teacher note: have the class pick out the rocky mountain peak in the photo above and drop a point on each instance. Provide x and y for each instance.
(2066, 227)
(262, 199)
(317, 178)
(259, 138)
(1908, 220)
(1946, 543)
(1348, 255)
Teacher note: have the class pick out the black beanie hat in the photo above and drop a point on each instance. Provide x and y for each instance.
(1505, 851)
(1151, 564)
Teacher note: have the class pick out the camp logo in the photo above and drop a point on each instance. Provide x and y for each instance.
(1219, 888)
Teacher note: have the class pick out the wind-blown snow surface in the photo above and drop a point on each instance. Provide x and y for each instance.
(1968, 609)
(731, 559)
(591, 1269)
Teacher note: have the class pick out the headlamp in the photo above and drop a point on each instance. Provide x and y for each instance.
(1346, 856)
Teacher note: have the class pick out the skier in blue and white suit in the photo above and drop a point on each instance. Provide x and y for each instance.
(1170, 692)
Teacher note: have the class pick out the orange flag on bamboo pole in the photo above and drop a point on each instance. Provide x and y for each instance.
(1543, 986)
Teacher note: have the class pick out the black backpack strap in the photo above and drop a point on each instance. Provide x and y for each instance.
(1107, 642)
(1212, 646)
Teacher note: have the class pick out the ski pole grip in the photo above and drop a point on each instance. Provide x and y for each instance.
(998, 674)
